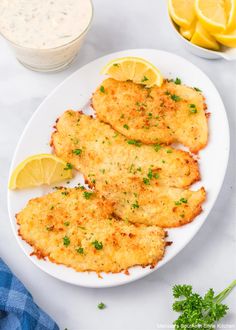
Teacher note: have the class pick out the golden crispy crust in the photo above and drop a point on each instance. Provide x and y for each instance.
(105, 154)
(58, 224)
(162, 206)
(138, 180)
(153, 115)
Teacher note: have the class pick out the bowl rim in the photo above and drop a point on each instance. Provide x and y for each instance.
(57, 47)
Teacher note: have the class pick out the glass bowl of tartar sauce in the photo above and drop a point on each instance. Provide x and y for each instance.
(45, 35)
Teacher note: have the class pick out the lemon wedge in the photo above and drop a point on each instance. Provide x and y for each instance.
(212, 14)
(187, 32)
(227, 39)
(230, 6)
(40, 169)
(203, 38)
(182, 12)
(135, 69)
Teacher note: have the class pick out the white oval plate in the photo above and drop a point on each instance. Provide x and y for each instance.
(75, 93)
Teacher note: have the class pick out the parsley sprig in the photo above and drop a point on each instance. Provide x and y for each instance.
(199, 312)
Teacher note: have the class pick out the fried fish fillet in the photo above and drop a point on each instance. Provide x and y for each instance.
(167, 114)
(138, 180)
(163, 206)
(100, 153)
(75, 227)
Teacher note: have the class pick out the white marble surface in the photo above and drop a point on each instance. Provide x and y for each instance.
(209, 260)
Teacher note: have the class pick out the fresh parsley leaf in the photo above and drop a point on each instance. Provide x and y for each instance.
(199, 312)
(175, 98)
(126, 126)
(146, 181)
(144, 79)
(79, 250)
(135, 205)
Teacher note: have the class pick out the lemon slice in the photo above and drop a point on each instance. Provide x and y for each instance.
(203, 38)
(228, 39)
(182, 12)
(230, 7)
(39, 169)
(135, 69)
(212, 14)
(187, 32)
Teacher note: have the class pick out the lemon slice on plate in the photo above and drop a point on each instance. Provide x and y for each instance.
(135, 69)
(204, 39)
(182, 12)
(212, 14)
(40, 169)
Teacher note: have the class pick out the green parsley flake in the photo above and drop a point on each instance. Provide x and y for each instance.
(169, 151)
(197, 89)
(97, 245)
(175, 98)
(87, 194)
(115, 64)
(126, 126)
(67, 223)
(66, 241)
(192, 108)
(135, 142)
(101, 305)
(65, 193)
(146, 181)
(77, 152)
(68, 166)
(79, 250)
(144, 79)
(135, 205)
(102, 89)
(157, 147)
(177, 81)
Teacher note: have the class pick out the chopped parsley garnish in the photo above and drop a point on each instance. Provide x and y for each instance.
(102, 89)
(87, 194)
(77, 151)
(197, 89)
(115, 64)
(146, 181)
(79, 250)
(126, 126)
(69, 166)
(157, 147)
(65, 193)
(144, 79)
(177, 81)
(169, 151)
(101, 305)
(192, 108)
(135, 142)
(175, 98)
(97, 245)
(181, 201)
(135, 205)
(66, 223)
(66, 241)
(167, 93)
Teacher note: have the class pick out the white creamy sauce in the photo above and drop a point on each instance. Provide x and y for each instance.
(44, 24)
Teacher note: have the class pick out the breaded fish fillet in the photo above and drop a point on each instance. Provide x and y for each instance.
(74, 227)
(163, 206)
(100, 153)
(167, 114)
(131, 177)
